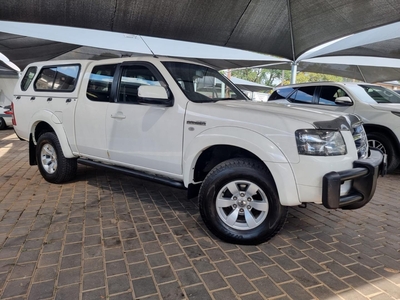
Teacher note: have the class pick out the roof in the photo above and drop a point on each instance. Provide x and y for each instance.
(319, 83)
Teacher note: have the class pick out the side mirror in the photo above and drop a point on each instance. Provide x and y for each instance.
(344, 100)
(156, 95)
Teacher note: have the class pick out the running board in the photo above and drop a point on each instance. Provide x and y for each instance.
(134, 173)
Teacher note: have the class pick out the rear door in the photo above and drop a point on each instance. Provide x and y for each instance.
(90, 115)
(326, 96)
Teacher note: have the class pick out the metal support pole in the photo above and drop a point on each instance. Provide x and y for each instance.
(294, 73)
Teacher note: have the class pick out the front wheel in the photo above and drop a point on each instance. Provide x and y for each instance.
(239, 203)
(378, 140)
(53, 165)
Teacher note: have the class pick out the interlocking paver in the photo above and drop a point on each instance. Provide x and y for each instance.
(108, 236)
(144, 286)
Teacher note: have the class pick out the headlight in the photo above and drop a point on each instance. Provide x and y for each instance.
(320, 142)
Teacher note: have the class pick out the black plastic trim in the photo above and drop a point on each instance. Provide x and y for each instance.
(364, 176)
(134, 173)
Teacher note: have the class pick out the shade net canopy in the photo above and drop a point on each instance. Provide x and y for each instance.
(22, 50)
(285, 28)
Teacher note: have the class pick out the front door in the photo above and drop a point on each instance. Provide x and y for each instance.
(145, 137)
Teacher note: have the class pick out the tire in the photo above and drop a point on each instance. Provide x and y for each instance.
(378, 140)
(248, 210)
(3, 124)
(52, 163)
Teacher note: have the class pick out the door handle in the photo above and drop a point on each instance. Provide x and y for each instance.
(68, 100)
(49, 99)
(118, 116)
(33, 98)
(18, 97)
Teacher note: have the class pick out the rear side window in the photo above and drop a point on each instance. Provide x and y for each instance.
(329, 94)
(28, 77)
(99, 86)
(303, 95)
(281, 94)
(57, 78)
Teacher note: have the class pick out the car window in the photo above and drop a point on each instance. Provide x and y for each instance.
(131, 78)
(381, 94)
(57, 78)
(28, 77)
(99, 85)
(328, 95)
(281, 93)
(202, 84)
(303, 95)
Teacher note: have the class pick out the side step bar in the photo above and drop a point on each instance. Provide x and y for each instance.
(134, 173)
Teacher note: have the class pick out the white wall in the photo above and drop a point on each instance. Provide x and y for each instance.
(7, 85)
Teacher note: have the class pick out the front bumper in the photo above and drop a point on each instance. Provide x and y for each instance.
(364, 177)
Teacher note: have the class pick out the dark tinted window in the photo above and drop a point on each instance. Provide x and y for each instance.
(57, 78)
(381, 94)
(303, 95)
(329, 94)
(99, 86)
(280, 94)
(133, 77)
(28, 77)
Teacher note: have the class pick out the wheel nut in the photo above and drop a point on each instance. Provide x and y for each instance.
(235, 198)
(248, 206)
(241, 194)
(234, 205)
(241, 210)
(249, 199)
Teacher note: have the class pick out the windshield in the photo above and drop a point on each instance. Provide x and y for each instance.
(203, 84)
(381, 94)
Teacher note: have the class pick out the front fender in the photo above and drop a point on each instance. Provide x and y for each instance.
(246, 139)
(55, 123)
(253, 142)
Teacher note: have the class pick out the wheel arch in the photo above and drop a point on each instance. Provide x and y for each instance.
(369, 128)
(245, 144)
(45, 121)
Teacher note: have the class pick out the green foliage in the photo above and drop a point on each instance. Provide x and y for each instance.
(274, 77)
(262, 76)
(311, 77)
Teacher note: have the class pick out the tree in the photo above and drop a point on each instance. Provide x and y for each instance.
(269, 77)
(274, 77)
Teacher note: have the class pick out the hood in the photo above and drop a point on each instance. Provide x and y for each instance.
(386, 106)
(318, 118)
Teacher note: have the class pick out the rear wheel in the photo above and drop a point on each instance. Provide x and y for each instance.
(53, 165)
(3, 124)
(239, 203)
(381, 142)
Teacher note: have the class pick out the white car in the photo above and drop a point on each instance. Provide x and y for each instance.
(184, 124)
(5, 117)
(378, 107)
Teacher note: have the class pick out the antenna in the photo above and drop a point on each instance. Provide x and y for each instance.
(148, 46)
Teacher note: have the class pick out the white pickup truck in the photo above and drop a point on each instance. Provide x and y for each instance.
(186, 125)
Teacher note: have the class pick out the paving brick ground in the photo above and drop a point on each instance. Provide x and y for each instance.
(108, 236)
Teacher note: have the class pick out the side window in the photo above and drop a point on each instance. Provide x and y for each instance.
(99, 86)
(280, 94)
(57, 78)
(131, 78)
(28, 77)
(329, 94)
(303, 95)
